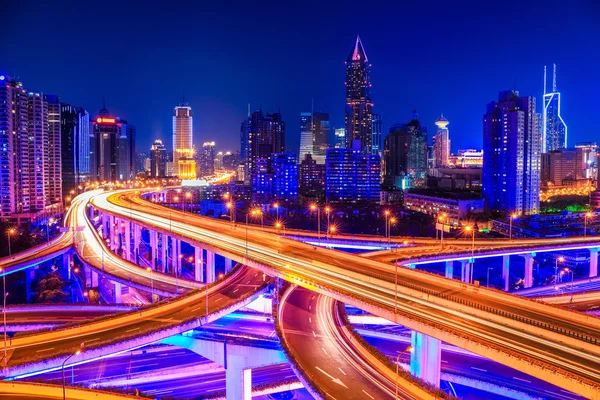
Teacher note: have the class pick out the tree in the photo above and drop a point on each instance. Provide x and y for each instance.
(49, 289)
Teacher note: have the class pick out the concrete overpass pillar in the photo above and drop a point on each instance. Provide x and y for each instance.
(238, 380)
(198, 267)
(506, 271)
(91, 277)
(154, 248)
(593, 262)
(112, 228)
(179, 256)
(163, 250)
(449, 269)
(466, 270)
(528, 279)
(210, 267)
(137, 238)
(426, 358)
(228, 264)
(29, 278)
(127, 252)
(118, 293)
(105, 229)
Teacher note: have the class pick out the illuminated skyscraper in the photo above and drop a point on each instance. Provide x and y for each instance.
(511, 155)
(261, 136)
(554, 129)
(321, 127)
(206, 157)
(441, 143)
(183, 149)
(377, 147)
(158, 159)
(306, 134)
(359, 109)
(75, 143)
(340, 138)
(352, 176)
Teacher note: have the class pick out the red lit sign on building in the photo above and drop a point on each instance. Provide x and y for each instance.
(105, 120)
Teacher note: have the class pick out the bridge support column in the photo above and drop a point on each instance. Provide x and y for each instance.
(154, 248)
(426, 358)
(29, 278)
(163, 250)
(127, 251)
(91, 278)
(449, 269)
(528, 279)
(67, 262)
(466, 270)
(593, 262)
(118, 297)
(105, 229)
(210, 266)
(228, 264)
(112, 228)
(238, 380)
(506, 271)
(176, 255)
(198, 267)
(137, 238)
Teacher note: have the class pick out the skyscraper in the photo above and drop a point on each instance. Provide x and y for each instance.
(207, 159)
(112, 149)
(75, 144)
(554, 129)
(441, 143)
(30, 174)
(352, 176)
(183, 149)
(359, 109)
(340, 138)
(377, 134)
(158, 159)
(405, 155)
(312, 179)
(511, 155)
(261, 136)
(321, 127)
(285, 177)
(306, 134)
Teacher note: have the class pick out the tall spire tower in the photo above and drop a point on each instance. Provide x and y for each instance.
(359, 108)
(554, 129)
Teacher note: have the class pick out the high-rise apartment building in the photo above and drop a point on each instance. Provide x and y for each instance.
(183, 147)
(340, 138)
(405, 155)
(441, 143)
(359, 108)
(30, 156)
(587, 160)
(554, 129)
(511, 155)
(312, 179)
(377, 129)
(321, 128)
(566, 166)
(112, 149)
(352, 176)
(158, 159)
(306, 134)
(206, 157)
(285, 177)
(261, 136)
(231, 161)
(75, 144)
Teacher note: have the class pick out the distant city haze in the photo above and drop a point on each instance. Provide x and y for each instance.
(434, 57)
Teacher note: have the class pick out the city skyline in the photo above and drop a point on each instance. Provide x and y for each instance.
(466, 75)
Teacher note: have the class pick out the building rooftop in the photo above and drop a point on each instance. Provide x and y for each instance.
(448, 194)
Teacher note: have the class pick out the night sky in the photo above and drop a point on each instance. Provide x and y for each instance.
(447, 57)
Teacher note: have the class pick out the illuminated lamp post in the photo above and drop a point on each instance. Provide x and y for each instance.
(512, 217)
(63, 369)
(315, 207)
(408, 349)
(587, 215)
(560, 259)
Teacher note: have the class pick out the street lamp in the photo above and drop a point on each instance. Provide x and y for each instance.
(567, 270)
(441, 219)
(253, 212)
(391, 222)
(558, 260)
(332, 229)
(9, 233)
(50, 221)
(4, 312)
(408, 349)
(280, 225)
(327, 211)
(512, 217)
(188, 195)
(151, 282)
(63, 369)
(387, 214)
(315, 207)
(471, 229)
(276, 206)
(587, 215)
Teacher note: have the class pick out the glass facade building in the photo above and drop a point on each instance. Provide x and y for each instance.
(554, 128)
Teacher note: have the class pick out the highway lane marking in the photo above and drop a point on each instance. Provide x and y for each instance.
(310, 320)
(314, 334)
(309, 307)
(219, 299)
(522, 380)
(92, 340)
(342, 370)
(479, 369)
(368, 394)
(324, 350)
(290, 376)
(134, 329)
(39, 351)
(336, 380)
(236, 289)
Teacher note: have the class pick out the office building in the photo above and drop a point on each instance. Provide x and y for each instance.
(312, 179)
(206, 159)
(352, 176)
(218, 164)
(231, 161)
(511, 155)
(456, 204)
(441, 143)
(183, 147)
(112, 149)
(75, 146)
(587, 160)
(30, 163)
(377, 129)
(466, 158)
(262, 182)
(285, 177)
(554, 129)
(359, 108)
(158, 159)
(340, 138)
(261, 136)
(321, 128)
(562, 168)
(405, 155)
(306, 134)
